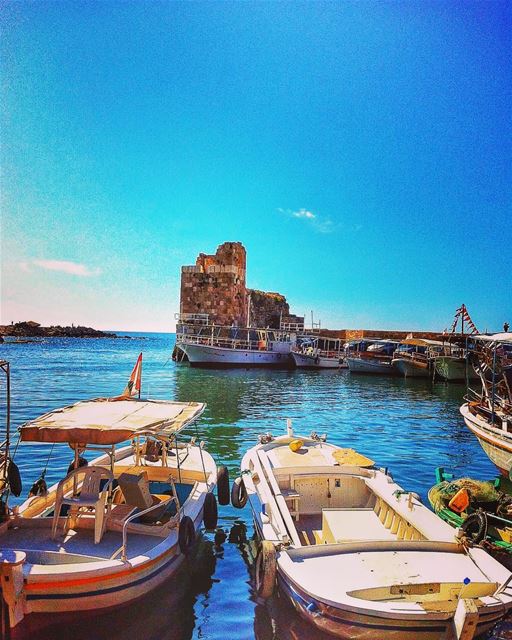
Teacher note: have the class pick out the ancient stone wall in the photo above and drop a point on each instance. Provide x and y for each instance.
(216, 285)
(266, 309)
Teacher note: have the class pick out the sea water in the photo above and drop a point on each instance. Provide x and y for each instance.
(410, 426)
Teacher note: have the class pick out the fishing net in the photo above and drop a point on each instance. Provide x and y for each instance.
(479, 492)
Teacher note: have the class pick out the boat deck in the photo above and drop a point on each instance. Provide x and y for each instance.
(78, 544)
(308, 527)
(309, 456)
(331, 576)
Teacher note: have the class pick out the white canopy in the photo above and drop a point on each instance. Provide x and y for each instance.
(497, 337)
(109, 421)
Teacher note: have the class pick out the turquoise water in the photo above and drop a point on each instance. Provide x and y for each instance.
(410, 426)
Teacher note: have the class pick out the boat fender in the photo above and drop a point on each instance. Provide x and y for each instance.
(210, 513)
(238, 493)
(266, 570)
(474, 526)
(82, 462)
(186, 535)
(296, 445)
(14, 478)
(39, 488)
(223, 485)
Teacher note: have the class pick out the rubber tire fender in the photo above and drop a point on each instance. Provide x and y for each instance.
(14, 478)
(223, 485)
(238, 493)
(210, 513)
(186, 535)
(266, 570)
(474, 526)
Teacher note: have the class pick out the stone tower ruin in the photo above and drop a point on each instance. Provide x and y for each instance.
(216, 285)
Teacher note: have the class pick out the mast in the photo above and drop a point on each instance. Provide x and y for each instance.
(5, 444)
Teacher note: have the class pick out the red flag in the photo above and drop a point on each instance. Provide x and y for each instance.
(133, 387)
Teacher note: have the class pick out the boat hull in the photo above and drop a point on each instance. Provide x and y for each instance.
(218, 357)
(347, 624)
(454, 369)
(411, 369)
(496, 443)
(341, 585)
(363, 365)
(86, 581)
(103, 592)
(306, 361)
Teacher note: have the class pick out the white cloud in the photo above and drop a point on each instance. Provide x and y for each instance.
(65, 266)
(322, 225)
(303, 213)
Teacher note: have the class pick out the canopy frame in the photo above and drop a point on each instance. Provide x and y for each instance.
(121, 420)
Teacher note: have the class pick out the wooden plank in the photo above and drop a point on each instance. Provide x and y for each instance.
(281, 502)
(274, 509)
(465, 619)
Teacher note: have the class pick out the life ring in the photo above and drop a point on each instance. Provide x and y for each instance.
(238, 493)
(474, 526)
(186, 535)
(223, 485)
(266, 570)
(14, 478)
(210, 513)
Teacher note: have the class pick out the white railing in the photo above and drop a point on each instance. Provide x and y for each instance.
(192, 318)
(226, 343)
(296, 327)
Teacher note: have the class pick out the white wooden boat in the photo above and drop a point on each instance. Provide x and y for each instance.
(370, 365)
(117, 528)
(214, 346)
(488, 413)
(318, 352)
(372, 357)
(494, 433)
(414, 358)
(207, 355)
(356, 555)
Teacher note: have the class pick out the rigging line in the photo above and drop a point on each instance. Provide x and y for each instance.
(43, 473)
(178, 463)
(201, 455)
(16, 447)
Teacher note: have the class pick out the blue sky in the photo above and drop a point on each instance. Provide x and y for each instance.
(360, 151)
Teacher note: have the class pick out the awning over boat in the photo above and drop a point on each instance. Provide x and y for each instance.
(422, 342)
(107, 421)
(497, 337)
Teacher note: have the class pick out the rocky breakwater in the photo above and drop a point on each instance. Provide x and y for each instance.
(33, 329)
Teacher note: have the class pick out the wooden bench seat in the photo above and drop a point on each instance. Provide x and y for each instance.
(350, 525)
